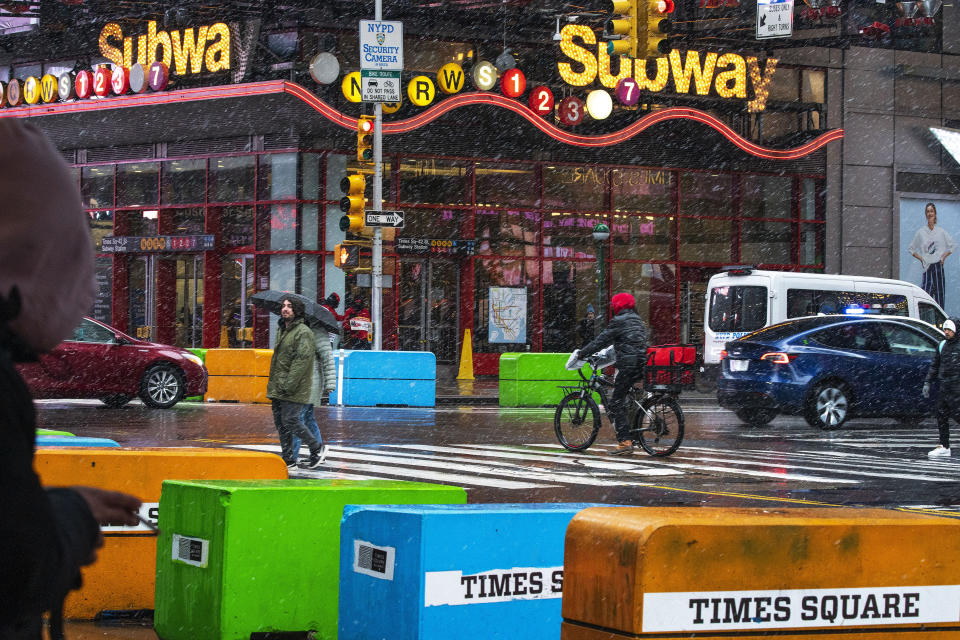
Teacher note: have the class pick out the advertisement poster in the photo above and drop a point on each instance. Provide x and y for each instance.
(508, 315)
(913, 222)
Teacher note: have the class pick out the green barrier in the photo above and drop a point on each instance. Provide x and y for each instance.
(533, 379)
(242, 557)
(48, 432)
(202, 354)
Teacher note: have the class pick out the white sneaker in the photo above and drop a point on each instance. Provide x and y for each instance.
(939, 452)
(323, 453)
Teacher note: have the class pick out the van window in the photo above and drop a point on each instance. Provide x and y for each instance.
(810, 302)
(929, 313)
(738, 308)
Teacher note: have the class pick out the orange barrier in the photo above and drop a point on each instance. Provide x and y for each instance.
(237, 375)
(124, 574)
(710, 573)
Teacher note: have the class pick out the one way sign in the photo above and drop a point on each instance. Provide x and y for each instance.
(383, 219)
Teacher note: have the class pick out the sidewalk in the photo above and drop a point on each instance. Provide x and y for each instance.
(485, 390)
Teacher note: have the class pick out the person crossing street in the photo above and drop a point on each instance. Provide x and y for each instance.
(945, 368)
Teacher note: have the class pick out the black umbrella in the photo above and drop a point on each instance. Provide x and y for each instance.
(315, 315)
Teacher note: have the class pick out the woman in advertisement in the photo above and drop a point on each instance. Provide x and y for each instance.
(931, 245)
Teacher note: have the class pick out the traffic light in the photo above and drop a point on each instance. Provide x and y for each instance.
(621, 28)
(365, 138)
(346, 256)
(353, 202)
(657, 26)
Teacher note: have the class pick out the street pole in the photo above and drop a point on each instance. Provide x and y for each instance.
(601, 233)
(376, 302)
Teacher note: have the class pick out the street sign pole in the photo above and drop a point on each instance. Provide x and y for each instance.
(376, 303)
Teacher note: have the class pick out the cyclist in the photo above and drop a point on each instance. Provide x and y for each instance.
(628, 335)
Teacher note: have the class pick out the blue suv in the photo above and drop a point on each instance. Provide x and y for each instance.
(830, 368)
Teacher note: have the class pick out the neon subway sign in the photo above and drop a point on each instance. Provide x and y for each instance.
(183, 52)
(693, 73)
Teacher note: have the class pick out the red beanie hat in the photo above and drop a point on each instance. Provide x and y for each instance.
(620, 302)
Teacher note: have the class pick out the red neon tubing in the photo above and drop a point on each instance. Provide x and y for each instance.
(427, 116)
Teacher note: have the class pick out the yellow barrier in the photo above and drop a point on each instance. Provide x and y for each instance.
(123, 576)
(238, 362)
(237, 389)
(711, 573)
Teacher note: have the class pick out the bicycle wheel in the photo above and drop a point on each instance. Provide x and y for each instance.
(577, 421)
(660, 427)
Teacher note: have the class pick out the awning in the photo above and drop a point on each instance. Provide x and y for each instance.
(950, 139)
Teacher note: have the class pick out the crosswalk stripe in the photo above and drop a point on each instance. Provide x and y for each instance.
(793, 465)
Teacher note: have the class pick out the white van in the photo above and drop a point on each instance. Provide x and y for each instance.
(744, 299)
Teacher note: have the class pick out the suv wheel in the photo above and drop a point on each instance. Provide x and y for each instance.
(828, 406)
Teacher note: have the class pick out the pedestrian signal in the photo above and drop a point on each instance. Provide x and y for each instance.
(621, 28)
(353, 202)
(346, 256)
(365, 126)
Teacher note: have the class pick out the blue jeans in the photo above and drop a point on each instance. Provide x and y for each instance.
(309, 420)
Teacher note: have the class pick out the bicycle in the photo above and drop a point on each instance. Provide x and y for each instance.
(657, 422)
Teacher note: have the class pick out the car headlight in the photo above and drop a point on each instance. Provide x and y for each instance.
(192, 358)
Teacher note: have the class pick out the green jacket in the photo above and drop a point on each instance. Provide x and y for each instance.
(291, 368)
(325, 374)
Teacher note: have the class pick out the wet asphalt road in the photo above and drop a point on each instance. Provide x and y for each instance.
(512, 455)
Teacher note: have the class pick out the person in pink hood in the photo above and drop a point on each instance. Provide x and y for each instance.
(46, 286)
(628, 335)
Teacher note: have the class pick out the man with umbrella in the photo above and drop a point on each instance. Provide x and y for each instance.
(290, 382)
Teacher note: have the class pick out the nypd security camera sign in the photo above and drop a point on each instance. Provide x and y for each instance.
(381, 45)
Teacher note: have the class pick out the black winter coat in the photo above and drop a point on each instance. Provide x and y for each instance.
(45, 536)
(945, 367)
(628, 335)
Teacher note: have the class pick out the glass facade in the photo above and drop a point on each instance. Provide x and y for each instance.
(274, 216)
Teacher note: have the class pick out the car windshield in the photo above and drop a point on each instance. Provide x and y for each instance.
(738, 308)
(784, 329)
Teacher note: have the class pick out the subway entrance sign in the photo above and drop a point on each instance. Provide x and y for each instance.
(392, 219)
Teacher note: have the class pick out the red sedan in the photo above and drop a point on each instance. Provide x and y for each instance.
(99, 361)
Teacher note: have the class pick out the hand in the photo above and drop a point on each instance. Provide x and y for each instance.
(108, 507)
(926, 390)
(576, 354)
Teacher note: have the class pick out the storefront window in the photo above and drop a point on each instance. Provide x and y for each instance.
(704, 240)
(433, 223)
(641, 237)
(231, 179)
(568, 287)
(236, 225)
(504, 185)
(101, 224)
(187, 222)
(137, 184)
(278, 176)
(568, 235)
(500, 232)
(766, 197)
(183, 182)
(642, 190)
(809, 191)
(96, 186)
(510, 273)
(310, 176)
(654, 288)
(433, 181)
(277, 227)
(705, 194)
(765, 242)
(582, 187)
(310, 226)
(811, 244)
(140, 222)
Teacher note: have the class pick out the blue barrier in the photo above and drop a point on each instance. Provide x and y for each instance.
(74, 441)
(372, 378)
(487, 571)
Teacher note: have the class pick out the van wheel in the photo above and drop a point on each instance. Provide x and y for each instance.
(757, 417)
(828, 407)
